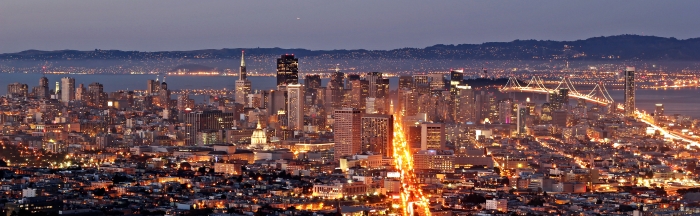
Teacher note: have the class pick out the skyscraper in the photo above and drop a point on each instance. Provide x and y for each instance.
(207, 120)
(287, 69)
(312, 81)
(43, 88)
(96, 95)
(629, 91)
(658, 112)
(243, 85)
(67, 89)
(464, 106)
(374, 79)
(347, 132)
(432, 136)
(377, 134)
(522, 119)
(295, 107)
(336, 89)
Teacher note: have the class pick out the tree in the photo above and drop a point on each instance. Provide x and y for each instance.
(538, 201)
(497, 170)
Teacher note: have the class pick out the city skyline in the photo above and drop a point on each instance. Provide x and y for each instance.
(156, 26)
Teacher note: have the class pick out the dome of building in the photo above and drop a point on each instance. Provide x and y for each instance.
(258, 139)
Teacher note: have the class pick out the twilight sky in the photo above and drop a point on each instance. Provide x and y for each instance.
(320, 24)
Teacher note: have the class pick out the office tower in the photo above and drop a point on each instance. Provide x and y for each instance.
(277, 101)
(374, 79)
(464, 107)
(505, 110)
(405, 82)
(295, 107)
(287, 70)
(258, 99)
(521, 120)
(152, 87)
(335, 90)
(80, 93)
(243, 85)
(95, 95)
(563, 98)
(432, 136)
(413, 136)
(456, 78)
(409, 101)
(377, 134)
(164, 95)
(658, 112)
(67, 89)
(629, 91)
(439, 160)
(347, 131)
(312, 81)
(360, 91)
(206, 121)
(382, 88)
(421, 83)
(43, 92)
(17, 90)
(184, 102)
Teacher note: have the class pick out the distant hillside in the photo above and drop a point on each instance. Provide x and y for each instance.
(621, 47)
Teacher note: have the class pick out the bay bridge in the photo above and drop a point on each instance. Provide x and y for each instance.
(598, 95)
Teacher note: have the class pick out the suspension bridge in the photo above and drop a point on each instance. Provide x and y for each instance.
(599, 94)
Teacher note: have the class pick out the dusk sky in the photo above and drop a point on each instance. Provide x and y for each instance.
(188, 25)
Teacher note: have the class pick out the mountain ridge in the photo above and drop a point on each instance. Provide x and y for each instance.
(618, 47)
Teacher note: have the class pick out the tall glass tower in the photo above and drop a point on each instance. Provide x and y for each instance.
(629, 91)
(287, 70)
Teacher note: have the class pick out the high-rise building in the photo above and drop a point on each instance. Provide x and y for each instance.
(43, 91)
(441, 160)
(287, 69)
(312, 81)
(377, 134)
(207, 120)
(347, 132)
(164, 95)
(432, 136)
(17, 90)
(456, 78)
(67, 89)
(374, 79)
(243, 85)
(658, 112)
(522, 120)
(629, 91)
(505, 110)
(295, 107)
(336, 90)
(464, 107)
(95, 95)
(152, 87)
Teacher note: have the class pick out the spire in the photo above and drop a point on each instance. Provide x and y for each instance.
(337, 68)
(242, 58)
(259, 126)
(242, 75)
